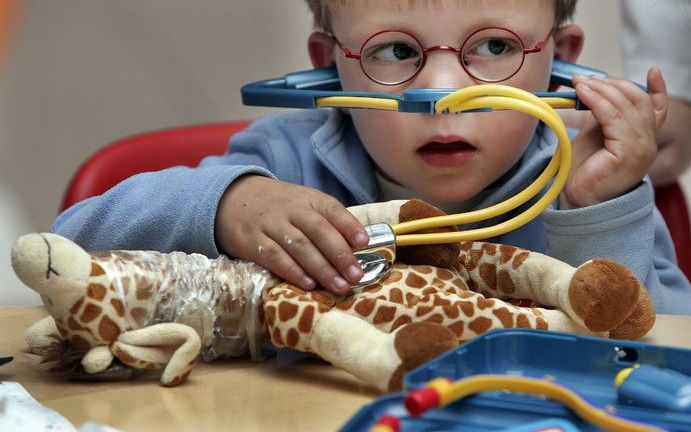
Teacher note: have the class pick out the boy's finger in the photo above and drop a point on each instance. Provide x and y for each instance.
(344, 221)
(310, 258)
(623, 95)
(602, 109)
(658, 94)
(334, 247)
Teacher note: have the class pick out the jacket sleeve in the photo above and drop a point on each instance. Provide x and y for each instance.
(173, 209)
(630, 230)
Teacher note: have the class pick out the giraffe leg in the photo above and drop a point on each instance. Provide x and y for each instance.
(297, 320)
(599, 295)
(174, 345)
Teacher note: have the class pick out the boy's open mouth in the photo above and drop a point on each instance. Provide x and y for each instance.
(449, 153)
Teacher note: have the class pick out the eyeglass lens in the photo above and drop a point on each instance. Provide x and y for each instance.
(490, 55)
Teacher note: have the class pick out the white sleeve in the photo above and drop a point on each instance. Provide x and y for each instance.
(658, 33)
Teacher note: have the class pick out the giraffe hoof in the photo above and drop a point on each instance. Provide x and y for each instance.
(603, 294)
(639, 323)
(418, 343)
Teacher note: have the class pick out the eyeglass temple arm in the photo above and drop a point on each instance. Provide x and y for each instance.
(302, 89)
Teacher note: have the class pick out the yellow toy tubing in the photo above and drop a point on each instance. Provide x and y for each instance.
(496, 97)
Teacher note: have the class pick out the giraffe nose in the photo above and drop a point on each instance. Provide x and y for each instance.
(30, 256)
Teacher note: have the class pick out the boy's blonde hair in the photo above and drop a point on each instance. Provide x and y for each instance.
(564, 10)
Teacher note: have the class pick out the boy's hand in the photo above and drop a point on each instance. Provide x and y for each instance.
(616, 145)
(298, 233)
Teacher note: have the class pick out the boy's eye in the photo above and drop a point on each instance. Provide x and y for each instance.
(393, 52)
(492, 47)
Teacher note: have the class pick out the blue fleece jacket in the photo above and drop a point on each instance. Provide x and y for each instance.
(175, 209)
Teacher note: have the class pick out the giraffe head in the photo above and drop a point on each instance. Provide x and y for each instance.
(53, 266)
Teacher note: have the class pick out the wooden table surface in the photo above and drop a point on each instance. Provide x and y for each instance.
(288, 393)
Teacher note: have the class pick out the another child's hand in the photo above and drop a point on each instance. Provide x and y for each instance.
(298, 233)
(616, 145)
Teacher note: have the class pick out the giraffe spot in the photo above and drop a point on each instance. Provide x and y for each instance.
(292, 338)
(451, 311)
(475, 256)
(91, 312)
(436, 318)
(124, 356)
(414, 281)
(506, 253)
(440, 301)
(505, 317)
(467, 294)
(118, 306)
(276, 338)
(179, 379)
(96, 269)
(396, 296)
(429, 291)
(96, 291)
(305, 322)
(270, 315)
(537, 312)
(520, 258)
(140, 315)
(488, 273)
(323, 297)
(480, 325)
(387, 253)
(73, 325)
(457, 329)
(401, 320)
(541, 324)
(384, 314)
(467, 308)
(107, 329)
(364, 307)
(424, 269)
(371, 289)
(504, 282)
(79, 343)
(286, 311)
(466, 245)
(445, 274)
(143, 292)
(411, 299)
(394, 276)
(346, 304)
(75, 307)
(484, 303)
(522, 321)
(489, 248)
(423, 310)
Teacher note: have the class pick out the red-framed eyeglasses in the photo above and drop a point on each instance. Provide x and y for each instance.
(489, 54)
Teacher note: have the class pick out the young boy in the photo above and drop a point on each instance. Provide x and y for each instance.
(278, 197)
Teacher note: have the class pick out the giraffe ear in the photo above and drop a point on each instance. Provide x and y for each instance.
(441, 255)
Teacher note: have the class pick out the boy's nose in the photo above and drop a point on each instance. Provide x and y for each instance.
(443, 70)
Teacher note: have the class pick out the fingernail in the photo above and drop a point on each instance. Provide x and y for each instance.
(361, 238)
(308, 283)
(584, 87)
(354, 273)
(597, 77)
(578, 77)
(340, 283)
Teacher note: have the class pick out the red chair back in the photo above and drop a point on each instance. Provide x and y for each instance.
(673, 205)
(149, 151)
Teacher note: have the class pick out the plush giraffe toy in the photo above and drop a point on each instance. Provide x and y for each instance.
(160, 311)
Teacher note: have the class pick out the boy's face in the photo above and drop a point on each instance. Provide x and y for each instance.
(444, 158)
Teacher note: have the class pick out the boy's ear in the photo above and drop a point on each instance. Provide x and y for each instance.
(568, 43)
(321, 47)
